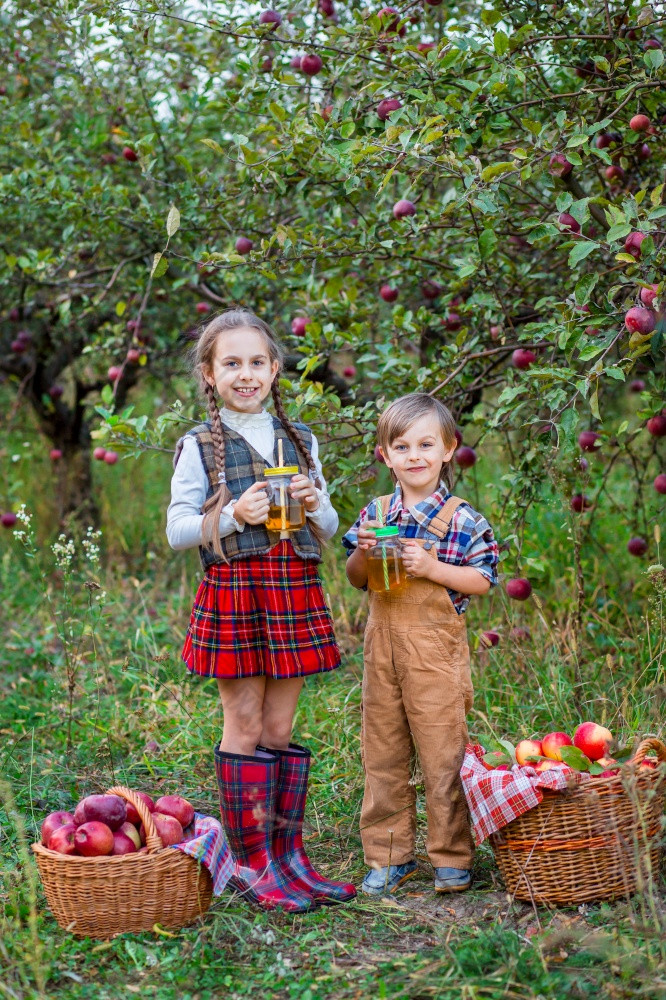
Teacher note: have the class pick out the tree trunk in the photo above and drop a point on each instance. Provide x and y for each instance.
(74, 497)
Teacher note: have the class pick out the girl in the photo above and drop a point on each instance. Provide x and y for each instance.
(416, 683)
(260, 623)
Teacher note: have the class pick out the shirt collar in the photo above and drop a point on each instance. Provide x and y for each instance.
(422, 512)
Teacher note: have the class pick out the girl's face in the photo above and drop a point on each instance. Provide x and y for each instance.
(242, 370)
(416, 457)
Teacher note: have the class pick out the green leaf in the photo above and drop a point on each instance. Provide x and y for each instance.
(501, 43)
(487, 243)
(584, 288)
(618, 232)
(160, 265)
(581, 251)
(594, 403)
(653, 58)
(212, 145)
(575, 758)
(173, 221)
(616, 373)
(496, 169)
(277, 111)
(577, 140)
(347, 129)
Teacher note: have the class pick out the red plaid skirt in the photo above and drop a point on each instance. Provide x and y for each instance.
(261, 616)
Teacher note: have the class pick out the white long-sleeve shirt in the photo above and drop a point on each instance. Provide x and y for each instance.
(189, 484)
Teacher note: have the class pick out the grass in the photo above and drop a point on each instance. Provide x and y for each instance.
(108, 675)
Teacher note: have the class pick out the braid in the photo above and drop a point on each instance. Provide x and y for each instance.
(293, 434)
(212, 508)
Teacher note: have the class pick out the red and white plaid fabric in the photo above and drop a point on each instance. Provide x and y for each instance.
(495, 798)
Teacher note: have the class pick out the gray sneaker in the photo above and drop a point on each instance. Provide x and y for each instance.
(380, 881)
(452, 879)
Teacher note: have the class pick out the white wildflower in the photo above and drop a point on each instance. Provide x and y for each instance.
(64, 551)
(90, 545)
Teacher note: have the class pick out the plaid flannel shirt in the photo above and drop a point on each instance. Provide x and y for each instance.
(469, 542)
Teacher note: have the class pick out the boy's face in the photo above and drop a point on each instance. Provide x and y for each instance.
(416, 457)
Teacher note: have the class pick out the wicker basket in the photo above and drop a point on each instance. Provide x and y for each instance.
(104, 896)
(600, 840)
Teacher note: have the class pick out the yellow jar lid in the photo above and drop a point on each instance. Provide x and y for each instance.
(285, 470)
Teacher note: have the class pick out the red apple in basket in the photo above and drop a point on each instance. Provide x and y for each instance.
(122, 844)
(527, 749)
(93, 839)
(168, 829)
(62, 839)
(53, 822)
(130, 830)
(496, 759)
(611, 767)
(552, 743)
(549, 765)
(109, 809)
(592, 740)
(176, 806)
(133, 814)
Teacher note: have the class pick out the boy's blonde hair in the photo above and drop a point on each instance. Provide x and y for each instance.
(402, 413)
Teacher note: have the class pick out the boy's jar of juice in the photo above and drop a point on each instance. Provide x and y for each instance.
(385, 568)
(284, 513)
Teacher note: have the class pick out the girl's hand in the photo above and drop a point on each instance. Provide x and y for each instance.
(302, 488)
(366, 535)
(252, 506)
(415, 559)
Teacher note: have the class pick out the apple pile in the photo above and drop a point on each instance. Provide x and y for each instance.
(588, 750)
(106, 824)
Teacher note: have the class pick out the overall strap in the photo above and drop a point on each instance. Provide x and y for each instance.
(385, 503)
(441, 522)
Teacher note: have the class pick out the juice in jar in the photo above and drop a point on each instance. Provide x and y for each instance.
(284, 513)
(385, 568)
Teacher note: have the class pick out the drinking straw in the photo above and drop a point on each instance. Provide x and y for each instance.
(380, 518)
(283, 502)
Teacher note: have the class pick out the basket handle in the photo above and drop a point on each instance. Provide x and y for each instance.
(649, 745)
(153, 839)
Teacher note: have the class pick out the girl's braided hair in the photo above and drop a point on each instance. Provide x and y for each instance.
(203, 355)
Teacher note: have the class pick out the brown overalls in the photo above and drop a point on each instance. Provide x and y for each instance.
(416, 686)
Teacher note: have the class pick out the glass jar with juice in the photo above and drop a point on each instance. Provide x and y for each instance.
(385, 567)
(284, 513)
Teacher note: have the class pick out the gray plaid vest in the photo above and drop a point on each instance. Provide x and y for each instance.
(244, 466)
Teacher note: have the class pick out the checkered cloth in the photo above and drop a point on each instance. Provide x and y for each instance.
(468, 542)
(495, 798)
(208, 844)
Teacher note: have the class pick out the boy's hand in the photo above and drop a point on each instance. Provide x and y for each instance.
(302, 488)
(252, 506)
(415, 559)
(366, 535)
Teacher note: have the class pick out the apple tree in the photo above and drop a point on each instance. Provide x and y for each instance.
(465, 199)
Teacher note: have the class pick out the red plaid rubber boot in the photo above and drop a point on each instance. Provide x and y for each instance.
(248, 787)
(288, 850)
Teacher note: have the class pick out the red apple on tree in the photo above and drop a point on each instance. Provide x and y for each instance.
(55, 454)
(271, 18)
(568, 222)
(99, 454)
(243, 245)
(349, 371)
(465, 457)
(114, 373)
(614, 173)
(388, 293)
(639, 123)
(390, 19)
(587, 440)
(110, 457)
(452, 321)
(660, 483)
(133, 355)
(523, 358)
(298, 325)
(632, 244)
(637, 385)
(56, 391)
(130, 155)
(657, 425)
(648, 295)
(8, 519)
(559, 166)
(431, 289)
(552, 744)
(311, 64)
(385, 107)
(637, 546)
(518, 589)
(403, 208)
(203, 307)
(580, 502)
(295, 62)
